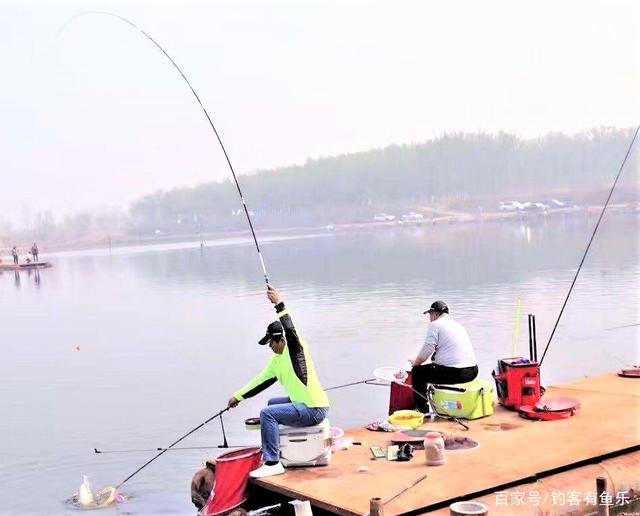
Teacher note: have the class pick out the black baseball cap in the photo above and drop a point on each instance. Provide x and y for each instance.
(274, 332)
(438, 306)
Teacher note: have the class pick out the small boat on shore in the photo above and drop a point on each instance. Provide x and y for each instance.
(25, 266)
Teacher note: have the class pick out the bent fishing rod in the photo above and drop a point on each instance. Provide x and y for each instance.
(586, 251)
(165, 450)
(215, 131)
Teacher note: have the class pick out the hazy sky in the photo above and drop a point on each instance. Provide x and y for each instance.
(98, 116)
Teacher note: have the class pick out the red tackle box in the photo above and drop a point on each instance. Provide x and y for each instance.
(517, 382)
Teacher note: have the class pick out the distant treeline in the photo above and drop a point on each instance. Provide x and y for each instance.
(437, 173)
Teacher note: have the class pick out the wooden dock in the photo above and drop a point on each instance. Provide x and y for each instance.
(607, 426)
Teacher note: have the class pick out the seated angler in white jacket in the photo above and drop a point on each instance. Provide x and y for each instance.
(449, 347)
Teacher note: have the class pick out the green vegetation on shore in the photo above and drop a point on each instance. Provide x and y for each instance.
(454, 173)
(461, 170)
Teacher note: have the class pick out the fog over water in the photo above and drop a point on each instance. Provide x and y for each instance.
(133, 348)
(96, 111)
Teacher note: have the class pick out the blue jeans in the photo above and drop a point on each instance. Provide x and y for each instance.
(280, 411)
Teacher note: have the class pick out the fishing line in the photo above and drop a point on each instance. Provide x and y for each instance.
(584, 256)
(95, 450)
(620, 327)
(235, 178)
(369, 381)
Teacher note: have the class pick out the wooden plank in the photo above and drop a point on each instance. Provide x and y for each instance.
(607, 383)
(563, 493)
(607, 422)
(348, 491)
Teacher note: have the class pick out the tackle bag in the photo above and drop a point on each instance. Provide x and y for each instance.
(517, 382)
(471, 400)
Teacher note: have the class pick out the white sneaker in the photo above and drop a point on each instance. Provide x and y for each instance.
(267, 471)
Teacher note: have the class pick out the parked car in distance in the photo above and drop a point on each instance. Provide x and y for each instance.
(383, 217)
(555, 203)
(534, 206)
(540, 205)
(412, 215)
(512, 206)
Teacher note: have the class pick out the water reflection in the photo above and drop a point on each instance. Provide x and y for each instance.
(442, 257)
(32, 274)
(35, 273)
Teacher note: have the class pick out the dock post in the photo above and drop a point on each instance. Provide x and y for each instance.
(376, 507)
(601, 489)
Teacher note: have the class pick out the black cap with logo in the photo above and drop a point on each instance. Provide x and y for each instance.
(274, 332)
(438, 306)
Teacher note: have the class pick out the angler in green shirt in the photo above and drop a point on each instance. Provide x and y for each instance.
(291, 365)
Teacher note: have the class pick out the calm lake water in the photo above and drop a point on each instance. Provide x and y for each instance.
(131, 349)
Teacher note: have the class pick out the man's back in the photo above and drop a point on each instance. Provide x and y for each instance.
(452, 343)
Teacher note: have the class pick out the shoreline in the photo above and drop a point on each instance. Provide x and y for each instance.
(106, 239)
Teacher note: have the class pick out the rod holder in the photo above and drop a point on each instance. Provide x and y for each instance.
(535, 339)
(530, 336)
(376, 507)
(601, 489)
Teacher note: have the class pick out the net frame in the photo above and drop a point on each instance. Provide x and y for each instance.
(391, 374)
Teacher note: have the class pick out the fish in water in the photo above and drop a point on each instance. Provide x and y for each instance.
(85, 495)
(87, 500)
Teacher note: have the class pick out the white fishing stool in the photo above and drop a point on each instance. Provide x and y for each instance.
(305, 445)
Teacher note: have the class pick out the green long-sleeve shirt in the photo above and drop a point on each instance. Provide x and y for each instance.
(294, 369)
